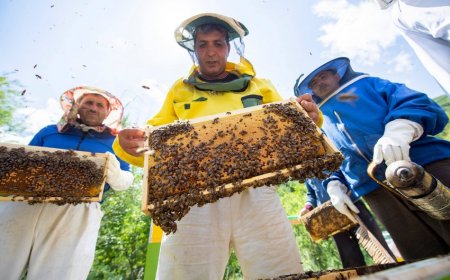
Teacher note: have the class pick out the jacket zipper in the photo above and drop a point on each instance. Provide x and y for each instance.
(341, 126)
(81, 140)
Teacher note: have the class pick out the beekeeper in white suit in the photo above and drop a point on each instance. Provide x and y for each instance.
(54, 242)
(425, 25)
(252, 222)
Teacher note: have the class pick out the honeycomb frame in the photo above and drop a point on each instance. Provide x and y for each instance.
(214, 170)
(38, 168)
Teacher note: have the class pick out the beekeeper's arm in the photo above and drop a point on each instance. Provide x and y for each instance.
(311, 199)
(394, 144)
(340, 199)
(410, 114)
(340, 195)
(307, 102)
(129, 142)
(118, 179)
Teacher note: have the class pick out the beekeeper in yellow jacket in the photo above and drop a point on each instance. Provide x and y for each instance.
(252, 222)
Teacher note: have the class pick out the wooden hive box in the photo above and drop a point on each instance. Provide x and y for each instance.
(40, 174)
(431, 268)
(201, 160)
(325, 221)
(344, 274)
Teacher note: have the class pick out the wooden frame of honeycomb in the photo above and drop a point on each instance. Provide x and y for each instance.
(40, 174)
(325, 221)
(201, 160)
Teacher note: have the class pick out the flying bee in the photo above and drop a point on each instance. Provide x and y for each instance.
(347, 96)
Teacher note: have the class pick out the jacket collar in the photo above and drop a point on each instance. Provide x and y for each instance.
(243, 70)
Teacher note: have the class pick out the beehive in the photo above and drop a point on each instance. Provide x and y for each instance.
(201, 160)
(431, 268)
(39, 174)
(354, 273)
(325, 221)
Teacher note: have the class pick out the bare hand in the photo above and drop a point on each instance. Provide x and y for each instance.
(132, 139)
(307, 102)
(303, 211)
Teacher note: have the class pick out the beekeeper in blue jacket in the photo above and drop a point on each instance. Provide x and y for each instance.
(369, 118)
(52, 241)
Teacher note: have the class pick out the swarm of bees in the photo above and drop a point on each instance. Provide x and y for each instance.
(337, 274)
(340, 274)
(198, 163)
(36, 176)
(324, 221)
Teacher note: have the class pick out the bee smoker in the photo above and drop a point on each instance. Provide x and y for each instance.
(418, 186)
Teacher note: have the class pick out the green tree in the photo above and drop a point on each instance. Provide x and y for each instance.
(315, 256)
(444, 102)
(123, 237)
(233, 269)
(9, 101)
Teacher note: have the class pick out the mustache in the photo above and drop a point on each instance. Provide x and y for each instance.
(323, 86)
(87, 110)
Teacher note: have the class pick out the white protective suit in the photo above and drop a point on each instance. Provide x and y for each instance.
(425, 25)
(52, 242)
(252, 222)
(60, 237)
(241, 221)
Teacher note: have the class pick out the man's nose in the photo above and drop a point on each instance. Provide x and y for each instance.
(92, 108)
(210, 51)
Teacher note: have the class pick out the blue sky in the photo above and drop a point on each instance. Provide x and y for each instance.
(122, 45)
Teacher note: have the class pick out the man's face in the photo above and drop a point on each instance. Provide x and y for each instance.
(93, 109)
(324, 83)
(212, 51)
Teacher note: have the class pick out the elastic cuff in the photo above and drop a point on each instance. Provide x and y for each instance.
(308, 207)
(136, 161)
(320, 119)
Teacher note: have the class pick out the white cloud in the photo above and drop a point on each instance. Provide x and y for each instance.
(32, 120)
(36, 118)
(12, 137)
(402, 63)
(359, 31)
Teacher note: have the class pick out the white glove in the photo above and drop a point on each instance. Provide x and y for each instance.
(394, 144)
(340, 200)
(118, 179)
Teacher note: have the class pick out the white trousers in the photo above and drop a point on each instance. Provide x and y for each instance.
(425, 25)
(253, 222)
(54, 242)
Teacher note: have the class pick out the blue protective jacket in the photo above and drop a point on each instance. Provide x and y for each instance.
(355, 117)
(75, 139)
(316, 194)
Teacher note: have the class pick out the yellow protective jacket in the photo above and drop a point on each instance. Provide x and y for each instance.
(184, 101)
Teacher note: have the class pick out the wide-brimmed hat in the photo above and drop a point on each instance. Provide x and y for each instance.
(184, 34)
(340, 65)
(70, 97)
